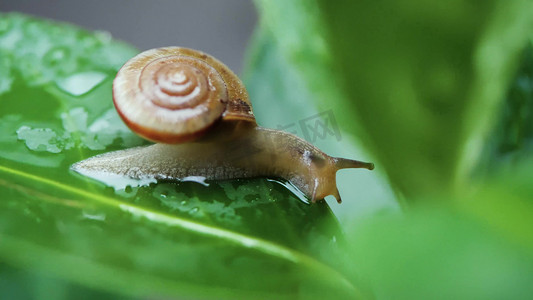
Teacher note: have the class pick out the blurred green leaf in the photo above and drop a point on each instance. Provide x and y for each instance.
(243, 238)
(480, 247)
(421, 84)
(19, 284)
(503, 203)
(510, 141)
(417, 82)
(434, 253)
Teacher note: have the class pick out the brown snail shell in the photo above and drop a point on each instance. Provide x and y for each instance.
(173, 95)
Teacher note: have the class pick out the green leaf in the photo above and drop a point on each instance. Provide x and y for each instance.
(510, 141)
(479, 247)
(438, 253)
(417, 82)
(503, 204)
(249, 238)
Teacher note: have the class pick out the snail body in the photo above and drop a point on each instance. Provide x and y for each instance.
(198, 112)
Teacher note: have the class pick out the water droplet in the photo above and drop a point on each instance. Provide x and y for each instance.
(75, 120)
(183, 203)
(107, 128)
(10, 37)
(6, 79)
(39, 139)
(103, 36)
(117, 181)
(197, 179)
(81, 83)
(93, 216)
(30, 67)
(194, 211)
(288, 185)
(87, 42)
(56, 57)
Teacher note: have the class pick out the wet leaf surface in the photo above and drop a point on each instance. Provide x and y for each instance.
(248, 237)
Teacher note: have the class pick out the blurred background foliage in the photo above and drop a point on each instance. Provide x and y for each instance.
(418, 83)
(439, 95)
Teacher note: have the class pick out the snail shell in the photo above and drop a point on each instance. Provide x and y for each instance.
(175, 95)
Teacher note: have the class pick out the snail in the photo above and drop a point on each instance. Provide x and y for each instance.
(199, 114)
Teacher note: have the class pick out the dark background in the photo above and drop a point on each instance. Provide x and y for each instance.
(220, 28)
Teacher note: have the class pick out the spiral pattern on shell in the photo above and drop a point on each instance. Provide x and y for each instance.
(174, 95)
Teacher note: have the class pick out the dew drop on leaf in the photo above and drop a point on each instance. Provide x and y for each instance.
(54, 57)
(116, 181)
(39, 139)
(74, 120)
(81, 83)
